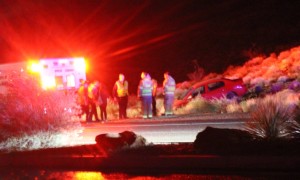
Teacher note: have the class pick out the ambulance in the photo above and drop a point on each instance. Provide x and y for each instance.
(51, 73)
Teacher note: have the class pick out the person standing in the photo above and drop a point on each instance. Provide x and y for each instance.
(120, 92)
(103, 96)
(169, 87)
(145, 93)
(93, 94)
(154, 83)
(82, 99)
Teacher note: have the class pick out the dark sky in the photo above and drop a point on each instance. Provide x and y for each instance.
(131, 36)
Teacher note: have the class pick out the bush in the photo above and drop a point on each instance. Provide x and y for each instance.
(271, 118)
(296, 126)
(133, 109)
(197, 105)
(224, 105)
(27, 111)
(112, 110)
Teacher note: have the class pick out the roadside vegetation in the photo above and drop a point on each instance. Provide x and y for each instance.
(31, 118)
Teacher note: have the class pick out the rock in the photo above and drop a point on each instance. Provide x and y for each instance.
(111, 142)
(214, 140)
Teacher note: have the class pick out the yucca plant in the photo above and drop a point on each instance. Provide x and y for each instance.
(271, 118)
(296, 125)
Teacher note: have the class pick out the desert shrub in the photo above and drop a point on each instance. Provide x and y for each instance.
(197, 105)
(112, 110)
(225, 105)
(234, 107)
(221, 104)
(160, 106)
(133, 108)
(26, 110)
(248, 105)
(271, 118)
(296, 124)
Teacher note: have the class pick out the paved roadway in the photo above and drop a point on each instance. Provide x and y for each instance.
(164, 129)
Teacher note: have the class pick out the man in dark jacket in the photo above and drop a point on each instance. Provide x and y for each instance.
(120, 93)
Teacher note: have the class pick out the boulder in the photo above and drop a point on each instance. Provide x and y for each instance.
(111, 142)
(214, 140)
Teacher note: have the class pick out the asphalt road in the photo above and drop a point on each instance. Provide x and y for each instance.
(160, 130)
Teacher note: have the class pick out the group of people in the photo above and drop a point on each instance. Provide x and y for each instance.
(93, 94)
(147, 89)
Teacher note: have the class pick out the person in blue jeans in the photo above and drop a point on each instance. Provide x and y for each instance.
(145, 93)
(169, 86)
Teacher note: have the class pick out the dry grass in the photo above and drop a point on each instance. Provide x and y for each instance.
(197, 105)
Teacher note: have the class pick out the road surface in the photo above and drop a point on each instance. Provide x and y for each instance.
(161, 130)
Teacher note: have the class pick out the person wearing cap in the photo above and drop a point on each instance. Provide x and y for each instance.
(145, 93)
(169, 87)
(120, 92)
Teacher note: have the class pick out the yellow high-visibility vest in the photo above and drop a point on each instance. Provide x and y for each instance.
(122, 88)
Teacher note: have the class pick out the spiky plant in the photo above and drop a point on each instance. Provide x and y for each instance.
(296, 125)
(270, 118)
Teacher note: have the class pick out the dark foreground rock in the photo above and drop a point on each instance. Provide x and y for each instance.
(239, 142)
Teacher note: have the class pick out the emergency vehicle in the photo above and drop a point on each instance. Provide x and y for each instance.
(52, 73)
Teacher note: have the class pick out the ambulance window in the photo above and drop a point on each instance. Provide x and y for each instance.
(55, 63)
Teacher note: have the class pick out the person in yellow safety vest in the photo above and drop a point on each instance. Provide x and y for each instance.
(93, 95)
(120, 92)
(154, 111)
(145, 93)
(82, 99)
(169, 87)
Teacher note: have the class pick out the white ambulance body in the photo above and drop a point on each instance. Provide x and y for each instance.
(62, 73)
(54, 73)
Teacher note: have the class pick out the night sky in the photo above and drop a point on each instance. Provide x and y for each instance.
(131, 36)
